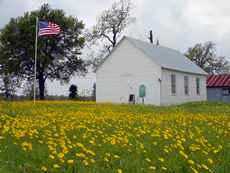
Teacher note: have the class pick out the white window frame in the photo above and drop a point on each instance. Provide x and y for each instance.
(173, 84)
(186, 85)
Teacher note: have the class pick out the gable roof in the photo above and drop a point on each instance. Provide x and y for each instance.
(167, 58)
(218, 80)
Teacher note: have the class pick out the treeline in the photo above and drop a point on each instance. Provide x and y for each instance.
(55, 97)
(85, 95)
(60, 57)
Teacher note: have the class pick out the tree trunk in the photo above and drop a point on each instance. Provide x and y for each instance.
(41, 82)
(7, 95)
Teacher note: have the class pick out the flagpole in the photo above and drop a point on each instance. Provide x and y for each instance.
(35, 59)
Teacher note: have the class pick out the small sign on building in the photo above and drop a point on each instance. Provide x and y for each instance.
(142, 93)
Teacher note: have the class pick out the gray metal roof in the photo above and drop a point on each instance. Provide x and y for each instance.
(166, 57)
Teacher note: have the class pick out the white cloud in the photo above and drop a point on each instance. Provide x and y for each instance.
(87, 10)
(177, 23)
(14, 8)
(182, 23)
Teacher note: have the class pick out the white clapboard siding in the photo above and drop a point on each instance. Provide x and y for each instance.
(167, 98)
(133, 63)
(123, 72)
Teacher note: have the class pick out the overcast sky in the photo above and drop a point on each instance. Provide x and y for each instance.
(178, 24)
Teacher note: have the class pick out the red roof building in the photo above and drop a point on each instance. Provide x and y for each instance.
(218, 88)
(222, 80)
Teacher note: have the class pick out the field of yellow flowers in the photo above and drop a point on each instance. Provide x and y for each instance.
(84, 137)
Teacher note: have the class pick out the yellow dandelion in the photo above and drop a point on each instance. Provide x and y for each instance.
(113, 141)
(119, 171)
(191, 162)
(183, 154)
(61, 155)
(70, 161)
(92, 160)
(51, 156)
(210, 161)
(166, 150)
(204, 166)
(152, 168)
(86, 163)
(161, 159)
(43, 168)
(81, 155)
(194, 170)
(106, 159)
(148, 160)
(163, 168)
(56, 166)
(116, 156)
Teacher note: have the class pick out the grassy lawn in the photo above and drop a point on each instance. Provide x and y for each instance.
(83, 137)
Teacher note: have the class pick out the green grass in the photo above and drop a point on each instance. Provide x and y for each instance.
(113, 138)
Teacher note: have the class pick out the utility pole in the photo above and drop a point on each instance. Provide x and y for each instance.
(35, 59)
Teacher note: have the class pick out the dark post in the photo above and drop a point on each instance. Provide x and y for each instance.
(158, 42)
(151, 37)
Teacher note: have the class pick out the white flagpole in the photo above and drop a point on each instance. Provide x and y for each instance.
(35, 59)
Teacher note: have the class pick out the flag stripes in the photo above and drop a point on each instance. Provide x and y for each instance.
(48, 28)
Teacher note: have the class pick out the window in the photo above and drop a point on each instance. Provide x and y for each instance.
(173, 84)
(226, 91)
(198, 86)
(186, 85)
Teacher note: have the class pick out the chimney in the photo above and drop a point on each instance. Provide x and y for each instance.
(158, 43)
(151, 37)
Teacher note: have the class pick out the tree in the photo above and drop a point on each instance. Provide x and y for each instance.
(94, 92)
(8, 80)
(110, 26)
(73, 92)
(58, 56)
(28, 90)
(8, 85)
(204, 55)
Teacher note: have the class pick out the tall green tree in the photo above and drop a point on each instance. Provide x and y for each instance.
(58, 56)
(204, 55)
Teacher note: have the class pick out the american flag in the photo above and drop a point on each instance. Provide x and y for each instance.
(48, 28)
